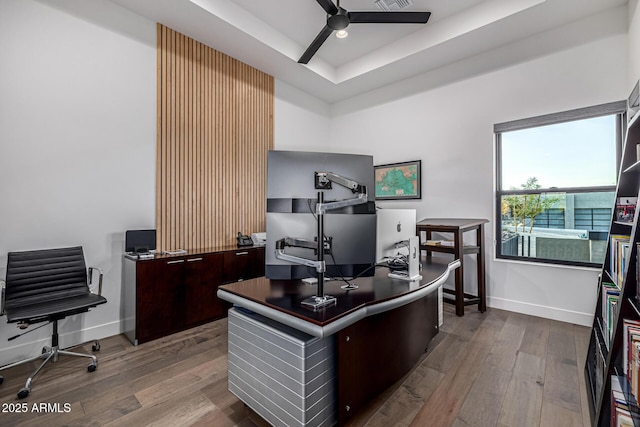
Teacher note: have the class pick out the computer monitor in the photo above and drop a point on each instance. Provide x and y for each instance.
(291, 201)
(140, 240)
(394, 228)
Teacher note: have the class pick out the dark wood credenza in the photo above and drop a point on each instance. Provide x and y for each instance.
(171, 293)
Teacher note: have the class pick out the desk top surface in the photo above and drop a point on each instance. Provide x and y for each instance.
(286, 295)
(187, 253)
(451, 222)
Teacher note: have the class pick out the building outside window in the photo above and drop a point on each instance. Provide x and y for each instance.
(555, 184)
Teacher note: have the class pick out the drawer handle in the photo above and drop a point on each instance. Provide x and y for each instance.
(194, 259)
(242, 253)
(175, 262)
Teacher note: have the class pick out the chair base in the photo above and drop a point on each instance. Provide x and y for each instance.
(51, 354)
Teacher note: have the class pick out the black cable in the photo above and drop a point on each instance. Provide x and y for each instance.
(334, 260)
(324, 237)
(380, 264)
(311, 210)
(335, 264)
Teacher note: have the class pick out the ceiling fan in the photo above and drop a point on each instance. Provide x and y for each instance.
(339, 19)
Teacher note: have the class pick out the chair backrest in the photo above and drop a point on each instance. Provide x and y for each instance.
(45, 275)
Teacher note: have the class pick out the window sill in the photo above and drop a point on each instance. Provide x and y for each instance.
(548, 264)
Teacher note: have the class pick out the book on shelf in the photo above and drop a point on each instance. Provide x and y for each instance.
(637, 272)
(446, 243)
(624, 408)
(610, 297)
(612, 304)
(631, 355)
(618, 402)
(626, 209)
(618, 249)
(635, 364)
(600, 362)
(631, 329)
(624, 420)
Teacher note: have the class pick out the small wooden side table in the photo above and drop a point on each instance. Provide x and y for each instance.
(458, 226)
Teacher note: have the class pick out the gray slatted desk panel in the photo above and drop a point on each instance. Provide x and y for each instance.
(284, 375)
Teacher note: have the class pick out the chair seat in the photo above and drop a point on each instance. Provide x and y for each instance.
(52, 309)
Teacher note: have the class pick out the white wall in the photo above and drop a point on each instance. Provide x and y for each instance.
(301, 121)
(634, 43)
(77, 144)
(450, 128)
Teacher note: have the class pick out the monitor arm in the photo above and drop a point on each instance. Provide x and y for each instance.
(300, 243)
(323, 181)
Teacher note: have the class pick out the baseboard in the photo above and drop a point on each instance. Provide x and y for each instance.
(27, 349)
(554, 313)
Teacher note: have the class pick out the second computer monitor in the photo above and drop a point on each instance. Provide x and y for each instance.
(393, 227)
(291, 213)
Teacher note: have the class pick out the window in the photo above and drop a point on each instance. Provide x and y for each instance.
(556, 182)
(550, 218)
(593, 219)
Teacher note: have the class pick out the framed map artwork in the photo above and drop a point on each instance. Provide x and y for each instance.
(398, 181)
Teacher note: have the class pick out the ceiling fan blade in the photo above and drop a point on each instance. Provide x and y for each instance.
(328, 6)
(389, 17)
(315, 45)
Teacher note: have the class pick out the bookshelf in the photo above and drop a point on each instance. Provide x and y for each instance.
(612, 367)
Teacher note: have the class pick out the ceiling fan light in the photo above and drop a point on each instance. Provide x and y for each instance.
(341, 34)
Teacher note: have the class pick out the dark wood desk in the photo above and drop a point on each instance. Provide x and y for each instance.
(380, 329)
(458, 226)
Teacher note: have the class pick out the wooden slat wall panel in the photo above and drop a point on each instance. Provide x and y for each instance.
(215, 126)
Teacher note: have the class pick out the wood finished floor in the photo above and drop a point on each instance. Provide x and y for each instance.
(484, 369)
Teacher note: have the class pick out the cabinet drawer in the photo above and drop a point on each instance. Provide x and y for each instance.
(159, 298)
(201, 280)
(242, 264)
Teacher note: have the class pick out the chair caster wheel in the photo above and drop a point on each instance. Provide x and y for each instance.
(91, 368)
(96, 347)
(23, 393)
(1, 380)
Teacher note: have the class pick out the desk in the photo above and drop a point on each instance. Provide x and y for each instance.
(373, 336)
(458, 226)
